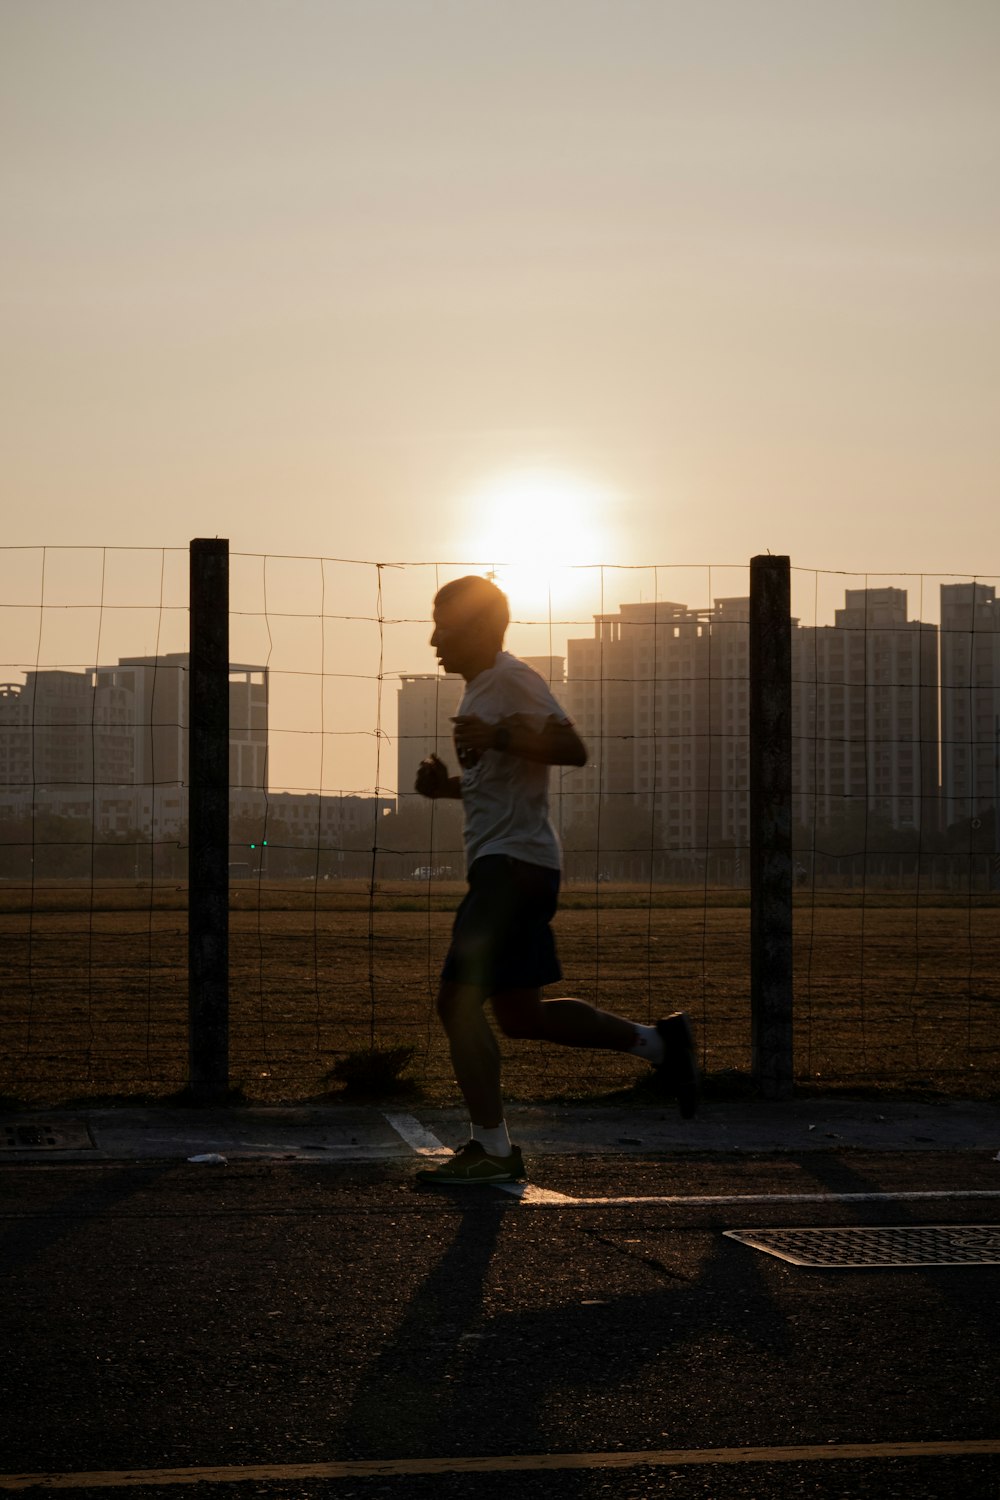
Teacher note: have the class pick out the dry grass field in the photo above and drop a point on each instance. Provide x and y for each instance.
(889, 994)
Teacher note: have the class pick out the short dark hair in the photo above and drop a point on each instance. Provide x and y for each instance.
(478, 600)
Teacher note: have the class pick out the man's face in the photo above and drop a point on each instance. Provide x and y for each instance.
(462, 645)
(450, 638)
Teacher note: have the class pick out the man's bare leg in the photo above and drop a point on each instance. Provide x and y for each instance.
(668, 1046)
(489, 1156)
(572, 1023)
(475, 1055)
(568, 1022)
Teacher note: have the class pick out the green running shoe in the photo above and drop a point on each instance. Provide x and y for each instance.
(471, 1167)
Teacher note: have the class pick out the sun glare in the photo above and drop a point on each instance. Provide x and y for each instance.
(535, 529)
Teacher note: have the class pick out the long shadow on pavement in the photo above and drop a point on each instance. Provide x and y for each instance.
(456, 1379)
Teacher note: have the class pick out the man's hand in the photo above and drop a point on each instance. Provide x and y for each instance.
(433, 780)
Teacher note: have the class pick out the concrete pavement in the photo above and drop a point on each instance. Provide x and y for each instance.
(391, 1132)
(305, 1318)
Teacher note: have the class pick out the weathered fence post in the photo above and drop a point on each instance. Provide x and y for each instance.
(771, 826)
(208, 823)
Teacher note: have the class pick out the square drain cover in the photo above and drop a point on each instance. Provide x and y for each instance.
(908, 1245)
(45, 1135)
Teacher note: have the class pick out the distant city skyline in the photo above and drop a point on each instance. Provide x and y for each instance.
(893, 719)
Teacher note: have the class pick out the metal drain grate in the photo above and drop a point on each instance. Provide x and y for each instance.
(45, 1135)
(908, 1245)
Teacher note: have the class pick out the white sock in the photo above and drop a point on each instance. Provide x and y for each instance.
(493, 1138)
(648, 1044)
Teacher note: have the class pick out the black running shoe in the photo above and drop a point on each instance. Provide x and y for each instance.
(471, 1167)
(678, 1072)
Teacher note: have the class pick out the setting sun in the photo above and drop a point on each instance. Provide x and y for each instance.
(534, 528)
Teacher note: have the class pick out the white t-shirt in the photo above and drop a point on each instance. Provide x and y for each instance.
(505, 798)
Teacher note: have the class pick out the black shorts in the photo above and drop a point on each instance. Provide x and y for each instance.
(501, 938)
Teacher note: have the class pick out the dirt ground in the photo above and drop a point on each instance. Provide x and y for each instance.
(889, 993)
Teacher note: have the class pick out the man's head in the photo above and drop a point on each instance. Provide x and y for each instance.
(471, 616)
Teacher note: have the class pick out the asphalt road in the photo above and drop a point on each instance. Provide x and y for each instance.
(278, 1319)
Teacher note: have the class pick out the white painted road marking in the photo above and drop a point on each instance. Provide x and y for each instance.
(416, 1136)
(669, 1458)
(424, 1143)
(536, 1197)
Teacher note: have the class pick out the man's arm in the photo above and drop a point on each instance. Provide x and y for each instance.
(433, 780)
(557, 744)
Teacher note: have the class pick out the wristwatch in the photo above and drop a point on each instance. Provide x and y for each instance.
(501, 738)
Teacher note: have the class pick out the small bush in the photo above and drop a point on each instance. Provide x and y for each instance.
(374, 1072)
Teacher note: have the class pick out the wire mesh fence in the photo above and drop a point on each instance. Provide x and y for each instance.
(343, 880)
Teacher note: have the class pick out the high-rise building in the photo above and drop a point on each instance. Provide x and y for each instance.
(110, 743)
(649, 707)
(159, 685)
(970, 700)
(248, 725)
(661, 696)
(865, 714)
(426, 704)
(15, 737)
(67, 733)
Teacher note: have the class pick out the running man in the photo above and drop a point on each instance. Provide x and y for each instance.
(508, 731)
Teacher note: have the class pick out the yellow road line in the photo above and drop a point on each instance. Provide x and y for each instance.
(669, 1458)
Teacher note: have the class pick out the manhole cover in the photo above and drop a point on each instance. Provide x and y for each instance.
(839, 1249)
(45, 1135)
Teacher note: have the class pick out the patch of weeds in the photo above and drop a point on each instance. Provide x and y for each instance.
(374, 1072)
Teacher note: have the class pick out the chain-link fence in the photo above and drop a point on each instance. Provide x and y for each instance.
(342, 880)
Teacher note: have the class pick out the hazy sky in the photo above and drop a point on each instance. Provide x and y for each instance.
(327, 276)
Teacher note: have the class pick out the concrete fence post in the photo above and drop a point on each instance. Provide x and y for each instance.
(771, 826)
(208, 823)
